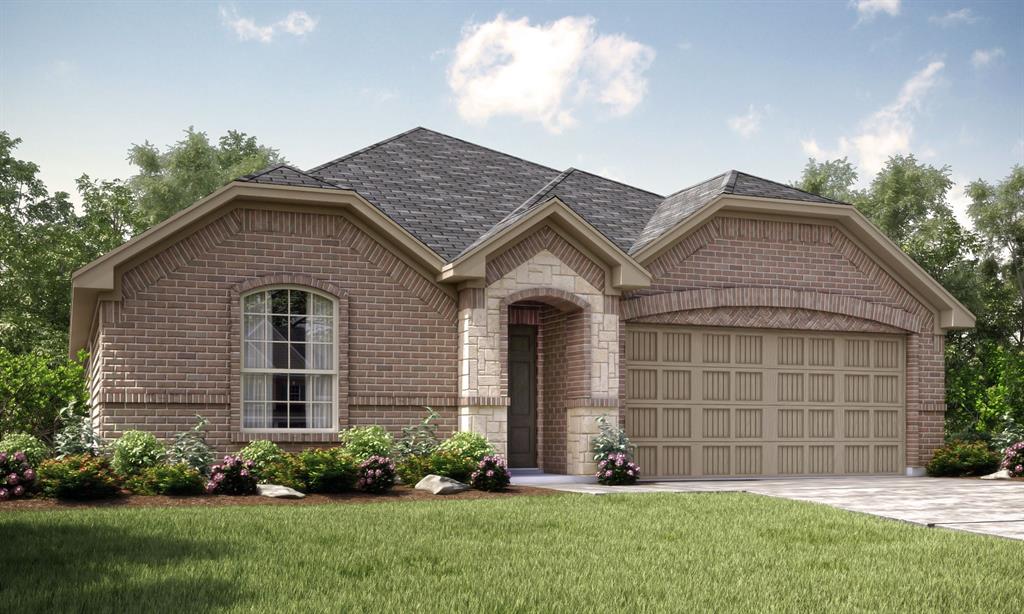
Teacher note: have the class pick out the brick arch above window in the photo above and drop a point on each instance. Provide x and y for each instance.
(295, 280)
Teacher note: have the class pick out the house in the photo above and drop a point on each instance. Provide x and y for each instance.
(738, 326)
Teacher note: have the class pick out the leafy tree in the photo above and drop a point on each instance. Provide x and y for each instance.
(192, 168)
(832, 179)
(998, 214)
(905, 195)
(34, 389)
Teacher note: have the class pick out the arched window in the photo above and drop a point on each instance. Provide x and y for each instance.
(289, 360)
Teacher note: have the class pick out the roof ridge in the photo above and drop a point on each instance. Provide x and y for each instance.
(364, 149)
(831, 200)
(701, 182)
(616, 181)
(544, 191)
(485, 148)
(269, 169)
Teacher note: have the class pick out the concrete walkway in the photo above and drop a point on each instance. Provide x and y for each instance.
(988, 507)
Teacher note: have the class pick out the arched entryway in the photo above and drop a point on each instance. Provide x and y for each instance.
(547, 358)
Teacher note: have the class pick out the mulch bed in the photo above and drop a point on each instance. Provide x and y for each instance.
(398, 493)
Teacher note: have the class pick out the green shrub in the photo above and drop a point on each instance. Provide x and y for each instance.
(232, 476)
(419, 439)
(327, 470)
(263, 454)
(178, 479)
(76, 436)
(490, 474)
(286, 471)
(412, 469)
(78, 477)
(190, 448)
(467, 445)
(33, 390)
(610, 440)
(362, 442)
(135, 451)
(35, 451)
(960, 458)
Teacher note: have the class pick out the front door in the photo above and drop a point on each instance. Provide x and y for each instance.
(522, 386)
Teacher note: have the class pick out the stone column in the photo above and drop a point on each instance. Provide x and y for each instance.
(581, 427)
(491, 421)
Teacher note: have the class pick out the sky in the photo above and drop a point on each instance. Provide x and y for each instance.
(658, 95)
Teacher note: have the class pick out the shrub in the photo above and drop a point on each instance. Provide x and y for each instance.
(33, 390)
(412, 469)
(17, 477)
(78, 477)
(263, 454)
(376, 474)
(1013, 459)
(420, 439)
(233, 476)
(609, 440)
(35, 451)
(285, 471)
(135, 451)
(961, 458)
(77, 435)
(364, 442)
(468, 445)
(617, 469)
(330, 470)
(191, 449)
(491, 474)
(177, 479)
(452, 465)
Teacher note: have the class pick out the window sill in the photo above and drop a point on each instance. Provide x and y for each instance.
(285, 437)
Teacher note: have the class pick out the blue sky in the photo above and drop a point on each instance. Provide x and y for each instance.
(659, 95)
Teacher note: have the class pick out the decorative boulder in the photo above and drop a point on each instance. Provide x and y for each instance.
(440, 485)
(1002, 474)
(278, 492)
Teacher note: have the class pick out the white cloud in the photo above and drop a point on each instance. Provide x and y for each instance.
(378, 95)
(749, 123)
(545, 73)
(959, 201)
(869, 9)
(954, 18)
(296, 23)
(888, 131)
(983, 57)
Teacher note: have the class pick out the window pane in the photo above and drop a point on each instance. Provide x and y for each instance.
(279, 326)
(279, 301)
(298, 302)
(280, 355)
(256, 416)
(256, 303)
(256, 327)
(321, 416)
(280, 387)
(297, 416)
(319, 329)
(297, 328)
(319, 356)
(279, 416)
(320, 306)
(297, 388)
(319, 387)
(297, 355)
(255, 387)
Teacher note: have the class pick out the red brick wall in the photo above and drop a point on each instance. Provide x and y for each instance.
(553, 348)
(168, 338)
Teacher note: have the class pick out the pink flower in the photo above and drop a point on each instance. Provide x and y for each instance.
(3, 457)
(211, 486)
(30, 474)
(12, 479)
(490, 473)
(244, 473)
(607, 474)
(19, 456)
(618, 463)
(629, 472)
(4, 495)
(19, 490)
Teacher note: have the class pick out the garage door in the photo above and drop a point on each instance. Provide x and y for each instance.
(750, 402)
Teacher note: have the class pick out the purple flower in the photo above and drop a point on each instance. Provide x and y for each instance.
(618, 463)
(602, 464)
(12, 478)
(3, 457)
(211, 486)
(629, 472)
(30, 474)
(216, 468)
(490, 473)
(1018, 468)
(19, 490)
(19, 456)
(4, 495)
(217, 479)
(244, 473)
(607, 474)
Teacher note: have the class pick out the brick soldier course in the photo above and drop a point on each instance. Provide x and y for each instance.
(428, 247)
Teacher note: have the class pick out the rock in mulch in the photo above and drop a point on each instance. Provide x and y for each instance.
(278, 492)
(1002, 474)
(440, 485)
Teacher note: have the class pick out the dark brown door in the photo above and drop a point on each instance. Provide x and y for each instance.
(522, 386)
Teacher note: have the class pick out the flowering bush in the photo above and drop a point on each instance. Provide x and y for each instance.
(233, 476)
(16, 475)
(177, 479)
(81, 476)
(376, 474)
(609, 440)
(263, 454)
(34, 450)
(491, 474)
(617, 469)
(1013, 460)
(135, 451)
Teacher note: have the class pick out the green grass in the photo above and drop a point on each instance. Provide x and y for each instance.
(632, 553)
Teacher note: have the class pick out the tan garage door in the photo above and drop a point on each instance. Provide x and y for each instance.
(750, 402)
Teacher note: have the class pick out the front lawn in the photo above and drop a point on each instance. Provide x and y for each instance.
(629, 553)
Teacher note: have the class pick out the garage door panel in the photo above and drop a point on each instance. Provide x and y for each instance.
(740, 402)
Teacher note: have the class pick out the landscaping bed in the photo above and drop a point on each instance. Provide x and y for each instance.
(396, 494)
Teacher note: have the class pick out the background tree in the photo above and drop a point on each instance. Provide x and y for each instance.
(832, 179)
(190, 169)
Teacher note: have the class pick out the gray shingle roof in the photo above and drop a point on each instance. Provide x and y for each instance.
(452, 195)
(684, 203)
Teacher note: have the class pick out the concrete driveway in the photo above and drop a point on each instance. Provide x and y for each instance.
(989, 507)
